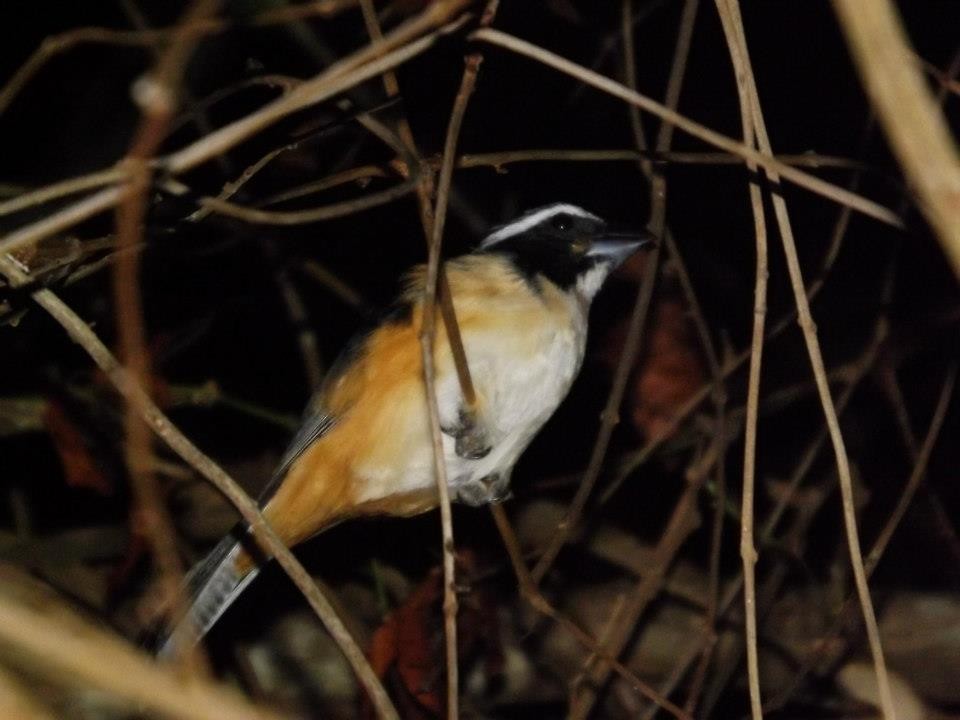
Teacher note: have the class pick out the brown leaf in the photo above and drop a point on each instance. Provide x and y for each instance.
(409, 647)
(407, 644)
(79, 466)
(669, 371)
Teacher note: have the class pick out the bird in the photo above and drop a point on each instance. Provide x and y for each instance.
(522, 299)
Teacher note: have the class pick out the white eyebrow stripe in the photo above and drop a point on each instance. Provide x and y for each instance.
(525, 222)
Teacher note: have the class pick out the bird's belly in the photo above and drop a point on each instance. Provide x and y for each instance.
(519, 396)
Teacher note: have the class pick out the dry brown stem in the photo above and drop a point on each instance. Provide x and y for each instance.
(711, 137)
(536, 600)
(427, 343)
(67, 650)
(58, 44)
(921, 461)
(909, 113)
(682, 522)
(81, 333)
(150, 511)
(361, 65)
(586, 695)
(855, 373)
(16, 701)
(748, 553)
(812, 343)
(610, 415)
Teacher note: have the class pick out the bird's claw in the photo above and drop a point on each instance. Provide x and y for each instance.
(471, 436)
(493, 488)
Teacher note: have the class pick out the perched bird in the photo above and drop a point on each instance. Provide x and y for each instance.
(521, 300)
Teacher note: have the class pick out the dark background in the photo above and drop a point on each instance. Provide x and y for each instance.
(213, 309)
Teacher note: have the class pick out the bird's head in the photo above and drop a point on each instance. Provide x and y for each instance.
(566, 245)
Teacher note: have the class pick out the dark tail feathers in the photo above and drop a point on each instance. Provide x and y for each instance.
(213, 584)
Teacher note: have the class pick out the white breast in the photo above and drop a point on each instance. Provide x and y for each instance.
(521, 390)
(522, 368)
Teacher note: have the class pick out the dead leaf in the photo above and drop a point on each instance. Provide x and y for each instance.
(409, 647)
(79, 466)
(669, 372)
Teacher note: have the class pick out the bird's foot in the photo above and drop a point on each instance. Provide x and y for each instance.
(471, 436)
(493, 488)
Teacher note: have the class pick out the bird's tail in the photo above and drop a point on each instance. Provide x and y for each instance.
(213, 584)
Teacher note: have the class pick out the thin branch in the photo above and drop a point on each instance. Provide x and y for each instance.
(17, 701)
(57, 44)
(711, 137)
(808, 328)
(880, 544)
(748, 553)
(397, 47)
(498, 160)
(916, 477)
(66, 649)
(437, 289)
(299, 318)
(583, 701)
(234, 186)
(428, 330)
(61, 219)
(855, 374)
(610, 416)
(353, 175)
(894, 394)
(81, 333)
(61, 189)
(311, 215)
(536, 600)
(151, 515)
(352, 70)
(918, 133)
(682, 522)
(336, 285)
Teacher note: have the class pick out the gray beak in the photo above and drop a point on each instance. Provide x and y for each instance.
(615, 247)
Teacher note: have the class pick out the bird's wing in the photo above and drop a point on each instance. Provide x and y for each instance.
(316, 423)
(216, 582)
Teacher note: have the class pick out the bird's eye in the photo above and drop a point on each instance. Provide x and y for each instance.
(562, 222)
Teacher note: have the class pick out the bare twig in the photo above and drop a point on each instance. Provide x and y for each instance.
(362, 65)
(81, 333)
(748, 553)
(68, 650)
(397, 47)
(498, 160)
(16, 701)
(57, 44)
(427, 343)
(916, 477)
(764, 160)
(880, 544)
(61, 189)
(336, 285)
(681, 523)
(856, 373)
(894, 393)
(536, 600)
(357, 174)
(151, 515)
(808, 328)
(300, 318)
(583, 700)
(312, 215)
(610, 416)
(909, 113)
